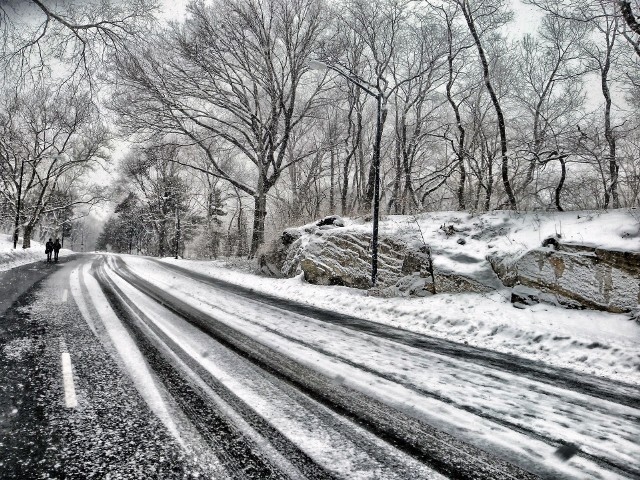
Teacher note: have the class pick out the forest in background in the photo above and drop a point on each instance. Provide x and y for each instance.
(250, 116)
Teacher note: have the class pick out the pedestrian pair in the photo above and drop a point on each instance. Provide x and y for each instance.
(52, 247)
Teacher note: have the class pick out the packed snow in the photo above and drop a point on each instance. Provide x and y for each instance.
(324, 441)
(427, 385)
(599, 343)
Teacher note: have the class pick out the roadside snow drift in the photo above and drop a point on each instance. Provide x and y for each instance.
(11, 258)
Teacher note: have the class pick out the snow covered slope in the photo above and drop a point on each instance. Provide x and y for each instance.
(596, 342)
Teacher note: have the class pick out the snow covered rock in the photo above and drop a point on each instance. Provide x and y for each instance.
(579, 276)
(332, 221)
(474, 253)
(330, 255)
(271, 261)
(525, 295)
(344, 258)
(522, 296)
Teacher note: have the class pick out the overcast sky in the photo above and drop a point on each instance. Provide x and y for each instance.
(526, 17)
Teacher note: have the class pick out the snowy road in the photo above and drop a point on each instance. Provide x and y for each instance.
(143, 367)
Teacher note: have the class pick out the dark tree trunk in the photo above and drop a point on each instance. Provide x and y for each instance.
(332, 197)
(612, 190)
(496, 105)
(397, 203)
(162, 237)
(461, 130)
(489, 188)
(628, 16)
(259, 215)
(368, 199)
(563, 176)
(26, 236)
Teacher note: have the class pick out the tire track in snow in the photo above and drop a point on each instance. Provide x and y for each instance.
(594, 449)
(195, 397)
(611, 390)
(435, 448)
(621, 465)
(110, 329)
(388, 462)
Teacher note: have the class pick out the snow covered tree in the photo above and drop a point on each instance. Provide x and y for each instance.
(234, 72)
(49, 140)
(38, 36)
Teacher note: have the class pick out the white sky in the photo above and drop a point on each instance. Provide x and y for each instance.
(526, 19)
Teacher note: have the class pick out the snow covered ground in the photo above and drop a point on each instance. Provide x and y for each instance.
(10, 258)
(599, 343)
(461, 242)
(512, 233)
(444, 391)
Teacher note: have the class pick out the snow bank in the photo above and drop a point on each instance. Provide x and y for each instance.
(10, 258)
(461, 241)
(599, 343)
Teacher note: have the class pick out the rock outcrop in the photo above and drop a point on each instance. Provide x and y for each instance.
(344, 258)
(330, 255)
(468, 255)
(578, 276)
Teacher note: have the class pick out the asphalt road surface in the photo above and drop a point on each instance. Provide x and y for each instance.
(111, 368)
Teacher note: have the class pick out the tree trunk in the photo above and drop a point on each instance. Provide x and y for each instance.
(489, 190)
(27, 231)
(162, 237)
(611, 142)
(456, 111)
(563, 177)
(496, 105)
(396, 203)
(628, 16)
(368, 199)
(608, 129)
(332, 195)
(259, 215)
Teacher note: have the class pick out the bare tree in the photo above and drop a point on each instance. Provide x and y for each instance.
(605, 17)
(550, 67)
(492, 13)
(418, 70)
(48, 140)
(156, 180)
(457, 45)
(39, 35)
(234, 72)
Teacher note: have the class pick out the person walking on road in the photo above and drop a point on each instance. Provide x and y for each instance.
(56, 249)
(48, 248)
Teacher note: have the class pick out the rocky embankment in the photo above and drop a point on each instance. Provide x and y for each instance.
(568, 274)
(574, 275)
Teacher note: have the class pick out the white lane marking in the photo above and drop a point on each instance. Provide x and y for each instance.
(65, 295)
(70, 399)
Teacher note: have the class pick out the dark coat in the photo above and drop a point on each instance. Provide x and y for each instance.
(48, 247)
(57, 246)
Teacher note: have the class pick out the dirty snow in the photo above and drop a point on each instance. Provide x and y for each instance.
(322, 440)
(18, 348)
(599, 343)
